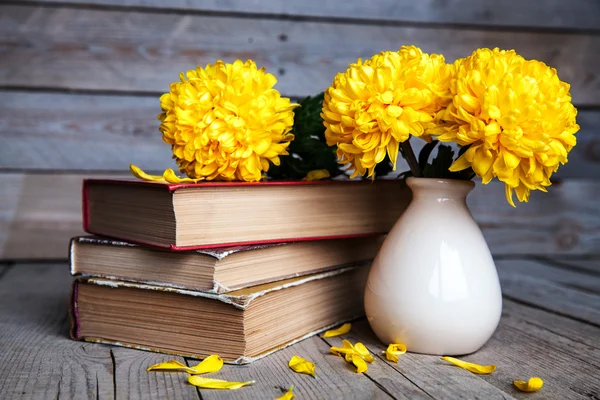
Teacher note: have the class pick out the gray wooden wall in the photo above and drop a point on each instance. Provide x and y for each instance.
(80, 80)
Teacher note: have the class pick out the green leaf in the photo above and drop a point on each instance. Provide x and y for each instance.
(309, 150)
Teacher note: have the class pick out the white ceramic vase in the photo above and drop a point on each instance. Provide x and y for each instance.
(433, 285)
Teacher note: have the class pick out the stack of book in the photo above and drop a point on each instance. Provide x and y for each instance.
(235, 269)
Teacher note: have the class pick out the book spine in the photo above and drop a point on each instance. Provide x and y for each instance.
(74, 314)
(85, 205)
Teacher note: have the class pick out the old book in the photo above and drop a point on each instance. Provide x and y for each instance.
(184, 217)
(218, 270)
(240, 326)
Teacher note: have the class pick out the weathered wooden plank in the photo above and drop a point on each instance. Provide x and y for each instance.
(387, 378)
(521, 356)
(582, 14)
(588, 282)
(3, 269)
(577, 331)
(44, 363)
(578, 339)
(77, 48)
(563, 221)
(38, 359)
(39, 213)
(132, 381)
(80, 132)
(586, 154)
(551, 296)
(98, 132)
(425, 371)
(273, 377)
(590, 263)
(517, 355)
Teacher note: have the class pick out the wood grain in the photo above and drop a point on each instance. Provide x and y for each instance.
(39, 213)
(273, 377)
(586, 282)
(38, 359)
(551, 296)
(101, 132)
(93, 49)
(563, 221)
(521, 356)
(49, 131)
(132, 381)
(582, 14)
(516, 354)
(425, 371)
(590, 263)
(580, 340)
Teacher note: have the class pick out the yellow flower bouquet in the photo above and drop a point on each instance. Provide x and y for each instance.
(512, 118)
(227, 122)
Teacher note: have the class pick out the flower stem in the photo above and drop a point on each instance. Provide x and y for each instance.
(409, 155)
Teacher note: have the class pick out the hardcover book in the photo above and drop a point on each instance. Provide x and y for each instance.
(212, 214)
(217, 270)
(240, 326)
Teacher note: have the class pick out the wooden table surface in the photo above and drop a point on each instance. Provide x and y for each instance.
(550, 328)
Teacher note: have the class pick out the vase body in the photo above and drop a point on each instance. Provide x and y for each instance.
(433, 286)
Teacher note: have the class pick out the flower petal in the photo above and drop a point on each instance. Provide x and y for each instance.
(359, 363)
(209, 383)
(316, 174)
(474, 368)
(289, 395)
(170, 176)
(363, 352)
(532, 385)
(394, 350)
(172, 365)
(346, 351)
(302, 366)
(138, 173)
(212, 363)
(342, 330)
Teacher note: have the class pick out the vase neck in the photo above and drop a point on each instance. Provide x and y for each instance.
(440, 189)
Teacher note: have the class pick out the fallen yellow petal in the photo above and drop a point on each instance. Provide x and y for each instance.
(212, 363)
(346, 351)
(170, 176)
(394, 350)
(359, 363)
(209, 383)
(532, 385)
(316, 174)
(138, 173)
(342, 330)
(363, 352)
(287, 395)
(170, 366)
(302, 366)
(475, 368)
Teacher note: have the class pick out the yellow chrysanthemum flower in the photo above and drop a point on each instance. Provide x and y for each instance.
(226, 122)
(379, 103)
(515, 114)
